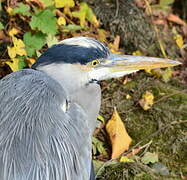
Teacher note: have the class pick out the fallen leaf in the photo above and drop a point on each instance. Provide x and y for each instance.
(167, 74)
(84, 13)
(64, 3)
(14, 64)
(13, 32)
(98, 145)
(119, 137)
(147, 100)
(149, 158)
(137, 53)
(125, 159)
(61, 21)
(101, 118)
(11, 52)
(102, 35)
(179, 40)
(31, 61)
(19, 46)
(175, 19)
(10, 11)
(128, 96)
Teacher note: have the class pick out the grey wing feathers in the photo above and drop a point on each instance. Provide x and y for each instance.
(38, 140)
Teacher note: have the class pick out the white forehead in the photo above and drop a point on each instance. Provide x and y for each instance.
(83, 42)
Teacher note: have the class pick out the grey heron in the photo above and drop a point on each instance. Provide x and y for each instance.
(48, 113)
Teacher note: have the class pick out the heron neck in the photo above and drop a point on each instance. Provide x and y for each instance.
(67, 75)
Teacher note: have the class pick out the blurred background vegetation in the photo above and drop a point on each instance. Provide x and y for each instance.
(139, 27)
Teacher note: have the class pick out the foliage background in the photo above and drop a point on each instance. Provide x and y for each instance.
(148, 27)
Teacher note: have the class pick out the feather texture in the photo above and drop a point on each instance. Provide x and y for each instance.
(38, 140)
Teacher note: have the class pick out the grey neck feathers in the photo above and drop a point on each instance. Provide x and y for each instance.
(69, 76)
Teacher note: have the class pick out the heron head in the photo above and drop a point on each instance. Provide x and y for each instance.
(90, 60)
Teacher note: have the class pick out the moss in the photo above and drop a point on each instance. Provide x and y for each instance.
(162, 123)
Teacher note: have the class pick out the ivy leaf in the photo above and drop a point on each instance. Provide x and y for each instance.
(33, 42)
(45, 21)
(1, 26)
(64, 3)
(22, 9)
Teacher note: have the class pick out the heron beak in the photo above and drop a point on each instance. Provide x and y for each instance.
(120, 65)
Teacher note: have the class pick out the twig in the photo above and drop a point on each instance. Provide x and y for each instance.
(117, 9)
(167, 96)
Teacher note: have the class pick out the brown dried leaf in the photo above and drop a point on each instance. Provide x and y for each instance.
(119, 137)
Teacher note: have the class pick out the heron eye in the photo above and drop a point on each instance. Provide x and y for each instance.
(94, 63)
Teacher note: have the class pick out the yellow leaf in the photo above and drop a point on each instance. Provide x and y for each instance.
(167, 74)
(119, 137)
(90, 16)
(14, 65)
(10, 11)
(84, 13)
(147, 100)
(64, 3)
(19, 46)
(125, 159)
(12, 52)
(137, 53)
(31, 61)
(179, 40)
(128, 96)
(102, 35)
(13, 32)
(81, 15)
(61, 21)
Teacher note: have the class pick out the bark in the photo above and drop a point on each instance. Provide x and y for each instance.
(124, 18)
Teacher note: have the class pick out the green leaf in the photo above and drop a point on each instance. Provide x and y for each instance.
(45, 21)
(51, 40)
(22, 64)
(101, 118)
(163, 3)
(33, 42)
(72, 27)
(1, 26)
(149, 158)
(22, 9)
(167, 74)
(99, 146)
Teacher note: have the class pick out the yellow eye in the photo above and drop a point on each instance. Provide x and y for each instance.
(94, 63)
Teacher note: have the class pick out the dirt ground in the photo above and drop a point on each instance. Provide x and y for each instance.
(164, 125)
